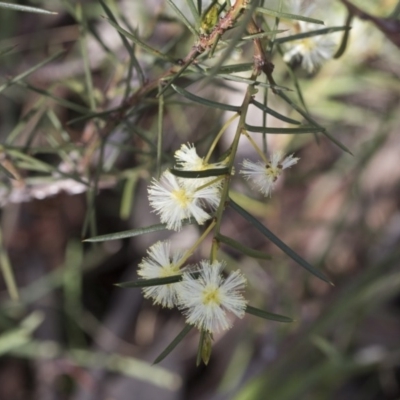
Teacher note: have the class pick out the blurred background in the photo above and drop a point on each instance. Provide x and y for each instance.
(66, 330)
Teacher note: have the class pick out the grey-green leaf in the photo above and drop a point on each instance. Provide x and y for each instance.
(204, 102)
(200, 174)
(150, 282)
(174, 343)
(18, 7)
(242, 248)
(267, 315)
(312, 121)
(300, 130)
(317, 32)
(278, 14)
(274, 239)
(274, 113)
(19, 77)
(131, 233)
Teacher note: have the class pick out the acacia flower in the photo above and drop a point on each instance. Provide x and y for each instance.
(263, 176)
(159, 263)
(313, 51)
(174, 201)
(205, 300)
(187, 159)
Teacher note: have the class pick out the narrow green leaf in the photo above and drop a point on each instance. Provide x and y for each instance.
(229, 69)
(244, 249)
(30, 70)
(249, 81)
(273, 13)
(171, 79)
(274, 239)
(131, 232)
(182, 17)
(263, 34)
(85, 56)
(31, 162)
(7, 50)
(274, 113)
(7, 172)
(203, 101)
(312, 121)
(7, 271)
(133, 59)
(128, 197)
(300, 130)
(160, 135)
(200, 174)
(91, 115)
(18, 7)
(317, 32)
(345, 38)
(150, 282)
(59, 100)
(173, 344)
(141, 44)
(194, 12)
(267, 315)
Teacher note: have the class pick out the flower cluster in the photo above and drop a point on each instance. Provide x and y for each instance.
(312, 51)
(264, 176)
(201, 292)
(176, 199)
(205, 297)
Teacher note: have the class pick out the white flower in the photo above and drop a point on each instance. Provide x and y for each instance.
(160, 264)
(206, 299)
(313, 51)
(174, 201)
(264, 176)
(188, 160)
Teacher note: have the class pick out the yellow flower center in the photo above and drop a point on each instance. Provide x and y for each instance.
(182, 197)
(211, 296)
(169, 270)
(273, 172)
(308, 45)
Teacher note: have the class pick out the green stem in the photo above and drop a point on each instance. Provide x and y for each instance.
(256, 148)
(216, 140)
(189, 252)
(240, 127)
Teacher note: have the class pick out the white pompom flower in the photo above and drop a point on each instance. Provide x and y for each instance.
(206, 299)
(160, 263)
(263, 176)
(312, 51)
(174, 201)
(187, 159)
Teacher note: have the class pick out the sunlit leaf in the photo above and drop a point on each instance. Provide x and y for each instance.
(131, 232)
(317, 32)
(18, 7)
(182, 17)
(282, 15)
